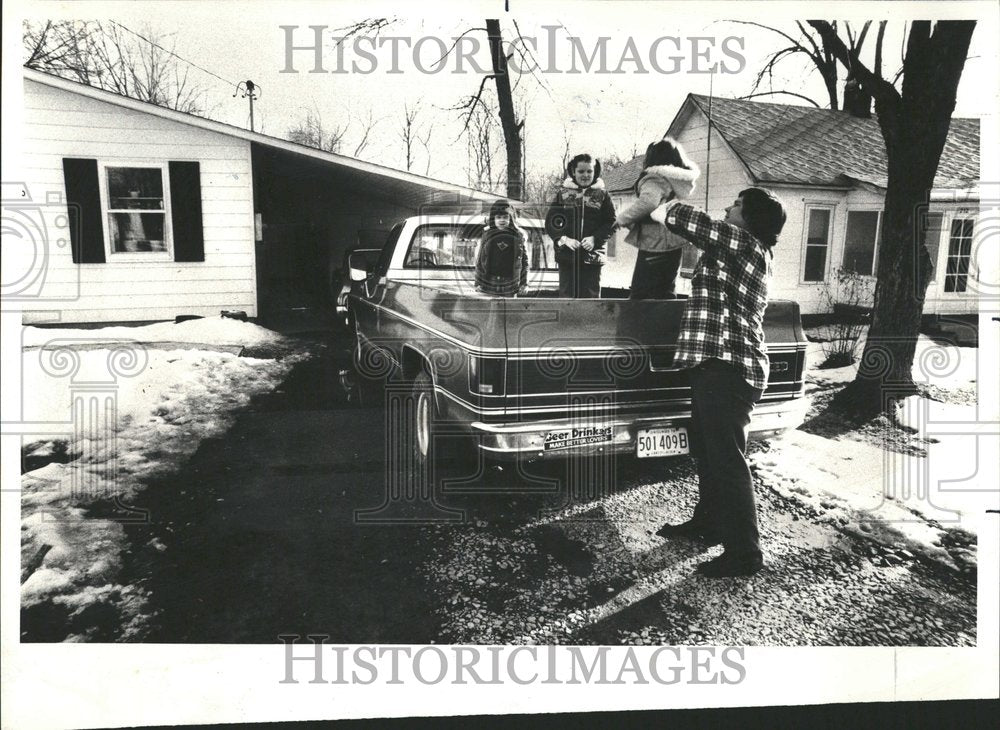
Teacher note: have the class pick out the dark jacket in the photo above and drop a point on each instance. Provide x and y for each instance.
(502, 262)
(579, 213)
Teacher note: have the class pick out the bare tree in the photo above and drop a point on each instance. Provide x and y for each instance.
(504, 111)
(110, 56)
(313, 131)
(914, 124)
(809, 43)
(414, 132)
(483, 148)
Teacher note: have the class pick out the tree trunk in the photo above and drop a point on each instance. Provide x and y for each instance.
(915, 127)
(508, 121)
(857, 102)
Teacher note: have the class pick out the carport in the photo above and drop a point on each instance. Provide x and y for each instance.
(312, 207)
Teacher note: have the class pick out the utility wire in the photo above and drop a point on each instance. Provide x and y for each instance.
(180, 58)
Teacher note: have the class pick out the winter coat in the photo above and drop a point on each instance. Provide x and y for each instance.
(656, 185)
(502, 261)
(580, 213)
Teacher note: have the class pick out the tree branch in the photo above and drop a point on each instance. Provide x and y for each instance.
(879, 88)
(789, 93)
(452, 48)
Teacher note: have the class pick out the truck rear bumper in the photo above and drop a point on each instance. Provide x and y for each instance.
(613, 435)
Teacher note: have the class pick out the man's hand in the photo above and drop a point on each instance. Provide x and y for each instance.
(587, 244)
(571, 243)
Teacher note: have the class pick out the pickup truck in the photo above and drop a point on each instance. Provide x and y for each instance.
(535, 376)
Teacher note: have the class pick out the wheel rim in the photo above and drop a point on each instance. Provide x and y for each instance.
(423, 423)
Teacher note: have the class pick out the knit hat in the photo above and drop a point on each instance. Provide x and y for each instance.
(500, 207)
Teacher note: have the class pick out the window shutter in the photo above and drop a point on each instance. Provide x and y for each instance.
(185, 211)
(83, 199)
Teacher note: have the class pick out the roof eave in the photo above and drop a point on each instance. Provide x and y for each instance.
(262, 139)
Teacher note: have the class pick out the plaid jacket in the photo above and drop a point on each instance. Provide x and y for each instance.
(724, 317)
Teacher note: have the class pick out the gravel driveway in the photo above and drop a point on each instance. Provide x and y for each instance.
(593, 573)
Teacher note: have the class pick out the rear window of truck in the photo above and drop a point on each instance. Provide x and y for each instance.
(451, 246)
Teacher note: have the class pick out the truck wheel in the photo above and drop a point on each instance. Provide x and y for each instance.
(425, 418)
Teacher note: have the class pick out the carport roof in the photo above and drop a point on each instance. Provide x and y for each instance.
(406, 187)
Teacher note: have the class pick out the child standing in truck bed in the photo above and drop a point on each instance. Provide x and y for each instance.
(502, 261)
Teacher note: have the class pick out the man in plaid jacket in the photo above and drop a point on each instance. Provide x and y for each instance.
(722, 342)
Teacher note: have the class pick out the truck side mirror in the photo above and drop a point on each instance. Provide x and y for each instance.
(360, 263)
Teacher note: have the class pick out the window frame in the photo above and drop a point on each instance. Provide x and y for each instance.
(112, 256)
(958, 217)
(469, 267)
(880, 211)
(808, 207)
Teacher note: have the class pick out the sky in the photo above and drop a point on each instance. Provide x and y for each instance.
(608, 114)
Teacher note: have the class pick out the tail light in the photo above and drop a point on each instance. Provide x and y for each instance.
(487, 375)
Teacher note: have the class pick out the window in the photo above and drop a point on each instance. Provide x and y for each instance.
(385, 257)
(453, 246)
(817, 243)
(861, 241)
(959, 252)
(136, 207)
(933, 227)
(443, 246)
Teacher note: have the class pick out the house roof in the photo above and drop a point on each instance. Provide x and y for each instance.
(403, 186)
(781, 143)
(623, 177)
(800, 145)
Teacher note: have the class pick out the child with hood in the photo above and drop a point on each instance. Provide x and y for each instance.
(580, 221)
(667, 174)
(502, 259)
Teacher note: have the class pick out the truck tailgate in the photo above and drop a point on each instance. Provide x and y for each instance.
(607, 356)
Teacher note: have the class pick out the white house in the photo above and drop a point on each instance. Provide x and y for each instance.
(829, 168)
(135, 212)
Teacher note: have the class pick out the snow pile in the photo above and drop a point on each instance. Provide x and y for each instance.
(894, 498)
(205, 331)
(118, 418)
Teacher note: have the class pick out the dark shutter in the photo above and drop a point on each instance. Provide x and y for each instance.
(83, 199)
(185, 211)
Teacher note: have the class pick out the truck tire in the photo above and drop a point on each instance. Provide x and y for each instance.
(425, 419)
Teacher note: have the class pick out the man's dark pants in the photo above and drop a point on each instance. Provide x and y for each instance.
(721, 403)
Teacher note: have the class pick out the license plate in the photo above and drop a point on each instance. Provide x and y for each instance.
(651, 442)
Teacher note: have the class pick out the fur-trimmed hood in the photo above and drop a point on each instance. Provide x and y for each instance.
(680, 180)
(570, 184)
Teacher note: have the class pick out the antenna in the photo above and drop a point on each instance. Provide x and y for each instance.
(250, 91)
(708, 154)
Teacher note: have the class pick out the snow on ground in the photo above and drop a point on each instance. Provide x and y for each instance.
(115, 433)
(901, 500)
(895, 499)
(205, 331)
(934, 363)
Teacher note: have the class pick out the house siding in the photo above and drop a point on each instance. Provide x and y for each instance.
(61, 124)
(728, 176)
